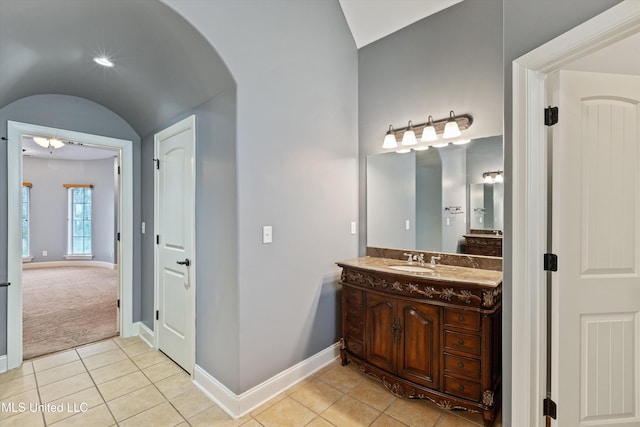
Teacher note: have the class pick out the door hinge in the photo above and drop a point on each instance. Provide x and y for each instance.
(118, 303)
(118, 170)
(550, 115)
(550, 262)
(157, 314)
(157, 239)
(549, 409)
(118, 236)
(157, 162)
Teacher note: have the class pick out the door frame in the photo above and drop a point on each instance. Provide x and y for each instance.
(529, 197)
(15, 130)
(187, 123)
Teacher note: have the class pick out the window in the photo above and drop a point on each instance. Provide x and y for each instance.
(26, 186)
(79, 220)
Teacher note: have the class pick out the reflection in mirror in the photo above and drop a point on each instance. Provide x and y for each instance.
(425, 200)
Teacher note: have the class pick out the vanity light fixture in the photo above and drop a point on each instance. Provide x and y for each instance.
(493, 177)
(451, 129)
(390, 139)
(104, 61)
(427, 132)
(409, 136)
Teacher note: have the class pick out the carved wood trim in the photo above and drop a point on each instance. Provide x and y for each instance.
(489, 298)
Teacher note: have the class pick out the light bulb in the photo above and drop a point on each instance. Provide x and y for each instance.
(451, 129)
(429, 132)
(409, 136)
(390, 139)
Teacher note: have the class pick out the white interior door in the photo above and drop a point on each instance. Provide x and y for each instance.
(175, 245)
(596, 235)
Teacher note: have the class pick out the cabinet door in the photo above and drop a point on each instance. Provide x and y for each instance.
(419, 348)
(380, 330)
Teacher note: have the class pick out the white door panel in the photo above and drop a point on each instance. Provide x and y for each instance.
(175, 249)
(596, 234)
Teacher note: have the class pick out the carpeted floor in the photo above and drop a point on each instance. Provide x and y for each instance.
(64, 307)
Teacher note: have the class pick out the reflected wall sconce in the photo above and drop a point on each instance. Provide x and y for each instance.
(428, 132)
(493, 177)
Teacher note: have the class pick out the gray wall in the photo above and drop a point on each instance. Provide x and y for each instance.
(449, 61)
(528, 25)
(296, 171)
(71, 113)
(391, 200)
(48, 226)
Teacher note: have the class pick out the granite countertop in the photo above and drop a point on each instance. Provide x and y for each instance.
(442, 272)
(484, 236)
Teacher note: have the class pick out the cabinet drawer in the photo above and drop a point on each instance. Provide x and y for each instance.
(353, 296)
(462, 388)
(462, 365)
(355, 347)
(462, 319)
(354, 330)
(462, 342)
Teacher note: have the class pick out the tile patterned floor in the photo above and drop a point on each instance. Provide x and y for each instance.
(124, 382)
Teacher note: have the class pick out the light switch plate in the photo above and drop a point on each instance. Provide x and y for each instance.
(267, 234)
(354, 227)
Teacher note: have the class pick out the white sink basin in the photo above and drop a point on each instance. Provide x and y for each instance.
(411, 268)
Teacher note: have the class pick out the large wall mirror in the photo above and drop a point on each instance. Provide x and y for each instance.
(428, 200)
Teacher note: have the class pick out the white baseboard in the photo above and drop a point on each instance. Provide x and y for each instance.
(147, 335)
(49, 264)
(3, 363)
(238, 405)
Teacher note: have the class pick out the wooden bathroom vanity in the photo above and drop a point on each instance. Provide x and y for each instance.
(430, 333)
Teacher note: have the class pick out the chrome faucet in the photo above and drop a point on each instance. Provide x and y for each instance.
(414, 257)
(410, 257)
(420, 259)
(433, 261)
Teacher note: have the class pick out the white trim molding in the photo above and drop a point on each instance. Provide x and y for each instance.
(50, 264)
(529, 198)
(3, 363)
(147, 335)
(237, 405)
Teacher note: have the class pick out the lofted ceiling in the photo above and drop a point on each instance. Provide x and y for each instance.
(371, 20)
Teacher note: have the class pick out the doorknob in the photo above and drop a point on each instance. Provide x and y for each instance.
(186, 262)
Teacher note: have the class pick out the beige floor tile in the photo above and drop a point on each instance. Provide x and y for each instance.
(286, 413)
(135, 402)
(349, 412)
(123, 385)
(113, 371)
(317, 395)
(25, 369)
(137, 348)
(53, 360)
(414, 413)
(319, 422)
(149, 358)
(449, 420)
(59, 373)
(191, 403)
(162, 370)
(266, 405)
(59, 389)
(103, 359)
(96, 348)
(344, 378)
(98, 416)
(15, 404)
(175, 385)
(124, 342)
(386, 421)
(163, 415)
(24, 419)
(214, 416)
(373, 394)
(469, 416)
(82, 400)
(17, 386)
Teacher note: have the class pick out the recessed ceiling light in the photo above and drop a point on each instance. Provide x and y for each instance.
(103, 60)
